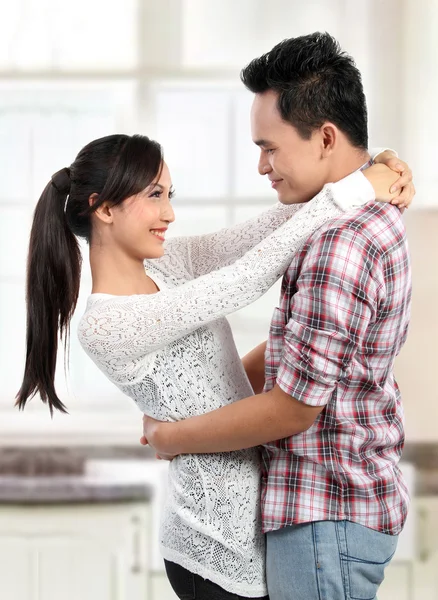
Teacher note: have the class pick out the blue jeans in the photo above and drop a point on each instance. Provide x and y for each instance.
(327, 560)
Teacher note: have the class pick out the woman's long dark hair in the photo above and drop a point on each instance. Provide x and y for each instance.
(113, 168)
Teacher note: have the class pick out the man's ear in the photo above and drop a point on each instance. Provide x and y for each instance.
(329, 138)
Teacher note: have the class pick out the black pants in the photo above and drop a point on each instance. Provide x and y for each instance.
(188, 586)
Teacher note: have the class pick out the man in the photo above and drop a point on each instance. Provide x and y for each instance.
(333, 499)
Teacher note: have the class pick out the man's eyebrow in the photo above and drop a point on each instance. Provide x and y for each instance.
(262, 143)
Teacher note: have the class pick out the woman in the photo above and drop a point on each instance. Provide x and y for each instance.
(160, 335)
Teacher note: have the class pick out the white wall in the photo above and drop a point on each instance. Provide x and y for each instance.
(164, 69)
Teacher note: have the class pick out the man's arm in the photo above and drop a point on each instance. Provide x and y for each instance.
(249, 422)
(336, 299)
(254, 365)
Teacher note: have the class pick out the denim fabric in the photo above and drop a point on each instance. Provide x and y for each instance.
(327, 560)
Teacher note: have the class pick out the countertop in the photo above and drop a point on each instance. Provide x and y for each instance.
(51, 475)
(69, 489)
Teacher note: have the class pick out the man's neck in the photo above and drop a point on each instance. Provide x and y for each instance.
(348, 161)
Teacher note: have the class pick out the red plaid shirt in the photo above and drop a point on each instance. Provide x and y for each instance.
(342, 319)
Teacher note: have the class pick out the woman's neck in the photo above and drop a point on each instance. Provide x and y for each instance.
(114, 272)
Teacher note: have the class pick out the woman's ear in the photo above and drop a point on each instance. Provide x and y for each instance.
(104, 211)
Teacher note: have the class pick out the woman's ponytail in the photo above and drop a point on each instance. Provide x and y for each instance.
(53, 277)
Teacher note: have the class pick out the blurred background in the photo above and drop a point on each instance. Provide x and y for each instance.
(72, 72)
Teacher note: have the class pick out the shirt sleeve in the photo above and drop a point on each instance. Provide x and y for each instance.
(337, 296)
(205, 253)
(119, 329)
(208, 252)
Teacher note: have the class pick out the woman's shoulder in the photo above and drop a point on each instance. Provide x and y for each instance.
(103, 316)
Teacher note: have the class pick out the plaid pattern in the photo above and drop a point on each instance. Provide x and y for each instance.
(342, 319)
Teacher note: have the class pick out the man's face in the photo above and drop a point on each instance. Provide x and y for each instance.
(294, 166)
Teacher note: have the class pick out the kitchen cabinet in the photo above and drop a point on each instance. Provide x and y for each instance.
(398, 582)
(425, 568)
(104, 551)
(160, 588)
(418, 579)
(72, 552)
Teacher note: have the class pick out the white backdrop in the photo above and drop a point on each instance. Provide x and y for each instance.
(169, 69)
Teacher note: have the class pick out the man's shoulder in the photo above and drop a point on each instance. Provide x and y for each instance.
(380, 224)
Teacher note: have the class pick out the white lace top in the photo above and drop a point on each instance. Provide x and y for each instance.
(173, 353)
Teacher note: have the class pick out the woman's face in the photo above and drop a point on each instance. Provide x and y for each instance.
(140, 223)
